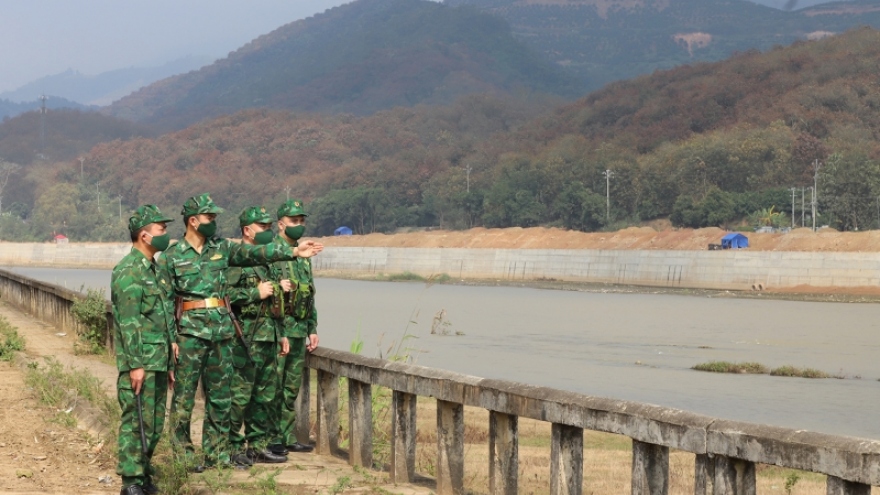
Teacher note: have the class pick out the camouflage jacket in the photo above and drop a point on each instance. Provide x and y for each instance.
(142, 314)
(257, 325)
(195, 276)
(299, 272)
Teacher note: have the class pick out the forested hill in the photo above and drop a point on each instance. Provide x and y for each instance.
(709, 144)
(358, 58)
(609, 40)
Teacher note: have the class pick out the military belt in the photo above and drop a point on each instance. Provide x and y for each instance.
(209, 303)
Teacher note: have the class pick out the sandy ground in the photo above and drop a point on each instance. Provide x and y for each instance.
(37, 453)
(802, 239)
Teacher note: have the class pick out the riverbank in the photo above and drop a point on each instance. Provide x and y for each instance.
(801, 265)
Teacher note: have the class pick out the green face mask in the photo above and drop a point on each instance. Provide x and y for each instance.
(207, 229)
(160, 242)
(295, 232)
(264, 237)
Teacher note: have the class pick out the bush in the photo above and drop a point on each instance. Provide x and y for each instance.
(91, 314)
(10, 341)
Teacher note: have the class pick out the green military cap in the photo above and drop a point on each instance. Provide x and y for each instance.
(291, 208)
(200, 204)
(254, 214)
(145, 215)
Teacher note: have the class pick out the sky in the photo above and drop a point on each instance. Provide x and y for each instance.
(45, 37)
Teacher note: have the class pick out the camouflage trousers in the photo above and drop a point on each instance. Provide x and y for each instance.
(254, 386)
(134, 466)
(290, 369)
(212, 363)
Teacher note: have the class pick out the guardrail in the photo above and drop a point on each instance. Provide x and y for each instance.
(46, 302)
(726, 451)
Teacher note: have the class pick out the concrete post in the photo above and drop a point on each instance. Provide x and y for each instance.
(837, 486)
(503, 453)
(303, 427)
(450, 448)
(734, 476)
(704, 475)
(566, 460)
(403, 437)
(328, 413)
(650, 469)
(360, 423)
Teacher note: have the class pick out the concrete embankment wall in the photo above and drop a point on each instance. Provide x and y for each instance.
(732, 269)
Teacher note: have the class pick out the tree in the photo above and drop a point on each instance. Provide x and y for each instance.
(6, 170)
(849, 187)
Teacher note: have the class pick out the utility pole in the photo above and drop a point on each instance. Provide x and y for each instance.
(468, 171)
(81, 161)
(98, 195)
(43, 99)
(120, 206)
(287, 189)
(802, 206)
(793, 189)
(816, 165)
(608, 174)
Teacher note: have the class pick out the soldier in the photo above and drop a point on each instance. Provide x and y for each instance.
(300, 324)
(142, 313)
(252, 292)
(196, 269)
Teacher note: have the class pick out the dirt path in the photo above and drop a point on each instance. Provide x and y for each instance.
(40, 455)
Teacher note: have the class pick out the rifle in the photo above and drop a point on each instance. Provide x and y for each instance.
(140, 408)
(178, 313)
(238, 332)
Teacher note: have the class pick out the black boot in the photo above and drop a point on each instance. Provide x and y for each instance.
(241, 460)
(300, 447)
(277, 449)
(266, 456)
(132, 490)
(149, 487)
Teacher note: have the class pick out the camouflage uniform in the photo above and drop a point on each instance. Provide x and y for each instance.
(254, 383)
(205, 336)
(142, 316)
(297, 328)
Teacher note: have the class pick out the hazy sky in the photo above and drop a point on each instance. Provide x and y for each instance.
(44, 37)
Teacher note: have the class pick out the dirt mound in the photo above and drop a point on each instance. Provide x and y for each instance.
(802, 239)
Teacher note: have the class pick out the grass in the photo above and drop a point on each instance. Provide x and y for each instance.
(728, 367)
(66, 389)
(10, 341)
(799, 372)
(760, 369)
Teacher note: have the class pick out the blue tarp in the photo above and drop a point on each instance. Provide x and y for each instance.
(734, 241)
(342, 231)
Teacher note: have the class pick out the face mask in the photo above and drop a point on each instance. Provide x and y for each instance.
(160, 242)
(207, 229)
(264, 237)
(295, 232)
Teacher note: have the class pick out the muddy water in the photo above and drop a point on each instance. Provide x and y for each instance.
(625, 346)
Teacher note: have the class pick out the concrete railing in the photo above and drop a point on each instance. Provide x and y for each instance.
(46, 302)
(726, 451)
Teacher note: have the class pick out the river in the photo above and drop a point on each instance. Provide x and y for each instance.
(636, 347)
